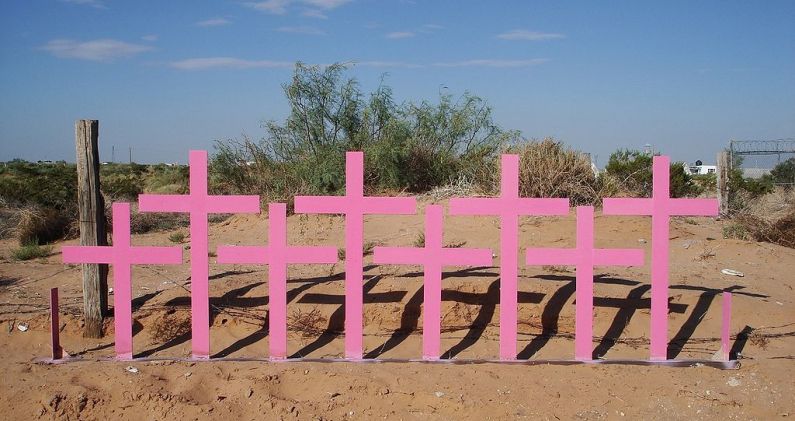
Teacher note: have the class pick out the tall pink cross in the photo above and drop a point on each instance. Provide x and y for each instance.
(508, 207)
(354, 205)
(661, 207)
(277, 255)
(432, 257)
(585, 257)
(122, 256)
(198, 204)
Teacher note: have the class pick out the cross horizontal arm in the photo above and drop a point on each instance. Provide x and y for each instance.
(243, 254)
(618, 257)
(551, 256)
(399, 255)
(466, 257)
(233, 204)
(164, 203)
(87, 254)
(541, 207)
(156, 255)
(311, 255)
(693, 207)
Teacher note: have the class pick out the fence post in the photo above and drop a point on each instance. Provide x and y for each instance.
(92, 225)
(724, 169)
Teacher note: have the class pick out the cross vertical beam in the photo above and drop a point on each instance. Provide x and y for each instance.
(55, 326)
(584, 257)
(277, 255)
(508, 207)
(660, 207)
(199, 205)
(432, 256)
(121, 256)
(354, 205)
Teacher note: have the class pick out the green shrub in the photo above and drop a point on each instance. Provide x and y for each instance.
(31, 250)
(736, 231)
(633, 171)
(177, 237)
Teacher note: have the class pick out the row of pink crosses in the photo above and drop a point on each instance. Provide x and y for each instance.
(508, 207)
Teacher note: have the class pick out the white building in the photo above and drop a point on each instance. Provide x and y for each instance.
(700, 169)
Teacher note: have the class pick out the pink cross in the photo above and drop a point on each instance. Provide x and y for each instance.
(432, 256)
(198, 204)
(509, 206)
(585, 257)
(122, 256)
(277, 255)
(354, 205)
(661, 207)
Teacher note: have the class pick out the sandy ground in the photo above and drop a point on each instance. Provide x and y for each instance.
(763, 326)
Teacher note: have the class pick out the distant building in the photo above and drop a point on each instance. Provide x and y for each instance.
(698, 168)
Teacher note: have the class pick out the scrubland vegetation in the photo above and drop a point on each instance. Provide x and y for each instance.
(450, 145)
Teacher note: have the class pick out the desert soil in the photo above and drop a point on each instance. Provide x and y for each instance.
(93, 387)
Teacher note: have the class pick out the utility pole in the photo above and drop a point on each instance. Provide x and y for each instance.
(92, 225)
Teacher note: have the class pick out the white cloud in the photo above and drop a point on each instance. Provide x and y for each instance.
(238, 63)
(97, 4)
(493, 63)
(274, 7)
(150, 38)
(400, 35)
(304, 30)
(96, 50)
(227, 63)
(214, 22)
(280, 7)
(525, 35)
(314, 13)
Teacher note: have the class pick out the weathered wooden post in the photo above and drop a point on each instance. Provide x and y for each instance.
(92, 225)
(723, 173)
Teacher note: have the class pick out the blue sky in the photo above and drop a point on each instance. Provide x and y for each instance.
(167, 76)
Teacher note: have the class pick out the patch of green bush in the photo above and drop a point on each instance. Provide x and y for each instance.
(633, 171)
(31, 250)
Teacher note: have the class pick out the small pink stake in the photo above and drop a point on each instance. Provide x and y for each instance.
(55, 325)
(432, 257)
(585, 257)
(277, 255)
(508, 207)
(726, 322)
(121, 255)
(661, 207)
(354, 205)
(198, 204)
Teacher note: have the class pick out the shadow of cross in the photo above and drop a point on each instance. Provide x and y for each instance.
(584, 257)
(277, 255)
(508, 207)
(121, 255)
(354, 205)
(661, 207)
(432, 256)
(198, 204)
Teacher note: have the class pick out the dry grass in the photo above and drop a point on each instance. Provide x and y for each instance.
(550, 169)
(308, 323)
(33, 224)
(769, 218)
(170, 327)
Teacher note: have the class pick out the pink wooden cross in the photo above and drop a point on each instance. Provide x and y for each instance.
(661, 207)
(121, 256)
(354, 205)
(277, 255)
(198, 204)
(585, 257)
(509, 206)
(432, 256)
